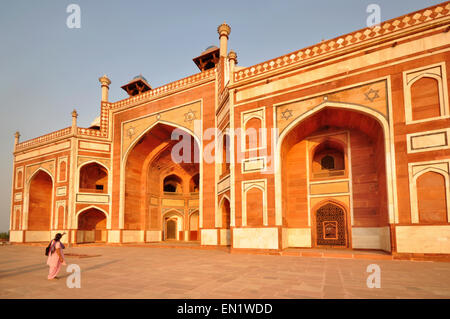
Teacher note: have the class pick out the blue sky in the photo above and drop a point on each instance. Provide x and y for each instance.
(47, 69)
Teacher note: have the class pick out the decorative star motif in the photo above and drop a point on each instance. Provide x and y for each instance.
(189, 116)
(371, 95)
(130, 132)
(286, 114)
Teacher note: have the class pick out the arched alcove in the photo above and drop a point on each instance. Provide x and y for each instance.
(193, 226)
(425, 98)
(156, 181)
(40, 201)
(173, 184)
(252, 133)
(328, 160)
(194, 184)
(431, 197)
(173, 222)
(225, 212)
(254, 206)
(93, 178)
(91, 226)
(225, 169)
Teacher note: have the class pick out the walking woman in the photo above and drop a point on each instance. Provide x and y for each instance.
(55, 257)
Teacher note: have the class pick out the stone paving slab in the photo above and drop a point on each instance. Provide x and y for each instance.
(137, 272)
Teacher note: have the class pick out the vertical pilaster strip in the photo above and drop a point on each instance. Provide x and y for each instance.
(232, 161)
(71, 213)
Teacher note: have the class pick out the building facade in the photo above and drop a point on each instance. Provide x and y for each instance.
(344, 144)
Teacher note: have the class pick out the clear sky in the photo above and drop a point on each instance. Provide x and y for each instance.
(47, 69)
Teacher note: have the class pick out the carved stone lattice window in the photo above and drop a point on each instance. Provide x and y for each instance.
(331, 229)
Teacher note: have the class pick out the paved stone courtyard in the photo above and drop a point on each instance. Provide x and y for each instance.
(142, 272)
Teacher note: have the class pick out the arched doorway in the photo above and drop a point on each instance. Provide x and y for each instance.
(193, 226)
(173, 226)
(40, 201)
(160, 176)
(91, 226)
(225, 210)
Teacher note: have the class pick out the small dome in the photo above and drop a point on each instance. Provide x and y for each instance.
(96, 122)
(209, 49)
(140, 77)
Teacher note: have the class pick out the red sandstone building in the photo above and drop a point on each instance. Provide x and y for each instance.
(360, 157)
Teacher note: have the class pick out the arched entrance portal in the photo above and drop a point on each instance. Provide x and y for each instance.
(162, 175)
(91, 226)
(335, 155)
(40, 201)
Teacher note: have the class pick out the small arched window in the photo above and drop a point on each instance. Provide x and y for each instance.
(327, 162)
(172, 184)
(93, 178)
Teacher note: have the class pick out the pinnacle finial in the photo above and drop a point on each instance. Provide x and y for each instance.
(224, 29)
(232, 56)
(16, 137)
(104, 80)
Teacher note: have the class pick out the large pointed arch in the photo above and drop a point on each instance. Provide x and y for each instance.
(388, 149)
(138, 138)
(151, 156)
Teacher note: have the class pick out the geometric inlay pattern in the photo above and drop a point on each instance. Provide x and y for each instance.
(286, 115)
(371, 95)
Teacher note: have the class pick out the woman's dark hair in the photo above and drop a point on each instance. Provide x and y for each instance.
(58, 236)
